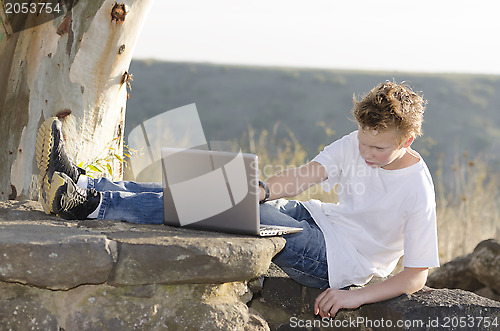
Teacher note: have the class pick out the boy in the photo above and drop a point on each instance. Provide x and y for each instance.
(386, 207)
(386, 203)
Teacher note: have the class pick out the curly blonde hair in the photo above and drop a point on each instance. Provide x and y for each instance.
(391, 106)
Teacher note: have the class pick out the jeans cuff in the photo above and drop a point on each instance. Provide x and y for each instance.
(105, 196)
(90, 182)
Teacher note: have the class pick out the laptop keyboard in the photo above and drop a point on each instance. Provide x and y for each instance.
(276, 230)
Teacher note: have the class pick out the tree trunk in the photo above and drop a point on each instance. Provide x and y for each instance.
(73, 66)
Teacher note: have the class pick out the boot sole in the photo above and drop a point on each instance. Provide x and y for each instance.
(44, 146)
(57, 181)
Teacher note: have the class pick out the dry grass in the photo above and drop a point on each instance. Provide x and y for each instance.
(277, 154)
(467, 206)
(467, 194)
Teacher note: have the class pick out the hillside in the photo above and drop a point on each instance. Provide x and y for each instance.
(463, 112)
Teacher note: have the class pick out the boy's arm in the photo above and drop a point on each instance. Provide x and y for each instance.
(407, 281)
(294, 181)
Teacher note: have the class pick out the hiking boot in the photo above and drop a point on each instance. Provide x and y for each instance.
(70, 201)
(51, 156)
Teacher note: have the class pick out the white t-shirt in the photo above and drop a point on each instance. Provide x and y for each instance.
(381, 215)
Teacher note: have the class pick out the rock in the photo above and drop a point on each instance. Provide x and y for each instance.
(181, 307)
(150, 307)
(54, 256)
(485, 263)
(431, 309)
(50, 253)
(478, 271)
(256, 322)
(22, 309)
(287, 305)
(188, 257)
(489, 293)
(108, 275)
(455, 274)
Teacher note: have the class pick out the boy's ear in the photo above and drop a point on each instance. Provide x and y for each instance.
(408, 142)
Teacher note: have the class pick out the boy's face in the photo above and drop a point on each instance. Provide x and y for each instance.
(380, 149)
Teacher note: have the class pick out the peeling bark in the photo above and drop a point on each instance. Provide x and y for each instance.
(119, 12)
(68, 67)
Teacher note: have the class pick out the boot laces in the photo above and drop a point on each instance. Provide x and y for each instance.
(62, 159)
(75, 197)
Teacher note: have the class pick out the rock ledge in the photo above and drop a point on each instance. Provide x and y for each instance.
(108, 275)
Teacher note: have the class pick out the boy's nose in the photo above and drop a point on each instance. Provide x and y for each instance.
(365, 154)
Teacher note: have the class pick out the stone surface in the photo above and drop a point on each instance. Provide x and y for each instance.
(51, 253)
(437, 308)
(256, 322)
(478, 271)
(184, 257)
(489, 293)
(148, 307)
(108, 275)
(287, 305)
(485, 263)
(23, 309)
(54, 256)
(455, 274)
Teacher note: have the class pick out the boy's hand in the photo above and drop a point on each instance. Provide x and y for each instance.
(409, 280)
(328, 303)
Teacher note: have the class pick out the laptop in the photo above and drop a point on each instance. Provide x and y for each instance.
(214, 190)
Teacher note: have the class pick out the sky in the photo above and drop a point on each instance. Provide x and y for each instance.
(453, 36)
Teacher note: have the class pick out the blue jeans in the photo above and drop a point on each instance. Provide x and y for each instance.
(132, 202)
(304, 256)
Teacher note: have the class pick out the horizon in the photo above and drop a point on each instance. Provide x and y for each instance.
(278, 67)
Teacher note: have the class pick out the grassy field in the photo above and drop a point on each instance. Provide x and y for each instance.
(467, 206)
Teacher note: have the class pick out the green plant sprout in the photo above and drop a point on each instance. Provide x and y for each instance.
(100, 166)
